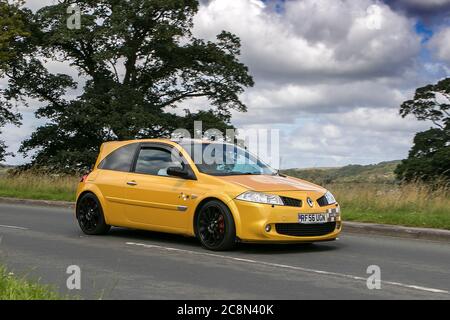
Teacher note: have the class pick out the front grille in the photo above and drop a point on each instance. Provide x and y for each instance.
(322, 201)
(291, 202)
(305, 230)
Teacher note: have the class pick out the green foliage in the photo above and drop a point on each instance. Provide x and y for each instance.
(13, 32)
(137, 60)
(431, 102)
(429, 158)
(12, 288)
(210, 119)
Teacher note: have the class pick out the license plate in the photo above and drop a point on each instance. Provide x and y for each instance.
(309, 218)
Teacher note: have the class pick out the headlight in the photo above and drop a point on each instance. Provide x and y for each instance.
(330, 198)
(260, 197)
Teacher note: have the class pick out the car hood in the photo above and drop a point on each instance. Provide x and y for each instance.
(272, 183)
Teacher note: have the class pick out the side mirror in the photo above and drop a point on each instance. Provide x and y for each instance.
(179, 172)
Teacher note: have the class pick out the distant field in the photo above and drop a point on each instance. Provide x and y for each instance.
(372, 200)
(382, 172)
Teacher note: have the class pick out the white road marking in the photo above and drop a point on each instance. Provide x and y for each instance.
(285, 266)
(13, 227)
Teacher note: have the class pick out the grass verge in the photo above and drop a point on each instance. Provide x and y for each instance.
(38, 187)
(12, 288)
(413, 205)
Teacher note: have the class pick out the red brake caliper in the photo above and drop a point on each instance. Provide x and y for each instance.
(221, 224)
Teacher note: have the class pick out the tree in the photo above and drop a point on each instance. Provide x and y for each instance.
(137, 60)
(429, 158)
(13, 31)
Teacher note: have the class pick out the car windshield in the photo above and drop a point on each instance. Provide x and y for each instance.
(223, 159)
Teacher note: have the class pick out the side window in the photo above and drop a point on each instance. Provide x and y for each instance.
(155, 161)
(120, 159)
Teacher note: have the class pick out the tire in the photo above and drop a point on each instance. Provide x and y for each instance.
(215, 226)
(90, 216)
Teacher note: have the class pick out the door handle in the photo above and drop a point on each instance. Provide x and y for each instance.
(132, 183)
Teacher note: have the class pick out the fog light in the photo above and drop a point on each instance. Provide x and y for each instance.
(268, 228)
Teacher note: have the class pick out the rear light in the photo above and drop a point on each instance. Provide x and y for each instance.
(84, 178)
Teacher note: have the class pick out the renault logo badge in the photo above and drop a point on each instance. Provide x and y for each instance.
(310, 202)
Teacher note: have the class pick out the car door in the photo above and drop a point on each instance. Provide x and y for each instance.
(111, 181)
(154, 198)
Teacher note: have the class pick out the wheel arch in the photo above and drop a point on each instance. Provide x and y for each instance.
(81, 196)
(94, 190)
(229, 204)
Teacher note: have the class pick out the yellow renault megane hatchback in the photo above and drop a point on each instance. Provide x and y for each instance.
(217, 192)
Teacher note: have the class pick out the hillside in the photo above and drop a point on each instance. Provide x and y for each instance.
(382, 172)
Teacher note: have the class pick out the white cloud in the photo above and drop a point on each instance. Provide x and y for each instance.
(284, 104)
(37, 4)
(314, 39)
(440, 43)
(331, 74)
(361, 136)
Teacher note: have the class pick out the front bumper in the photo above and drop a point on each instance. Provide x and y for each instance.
(255, 217)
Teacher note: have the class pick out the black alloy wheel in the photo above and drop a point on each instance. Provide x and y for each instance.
(215, 226)
(90, 215)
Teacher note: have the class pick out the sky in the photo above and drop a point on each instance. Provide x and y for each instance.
(330, 74)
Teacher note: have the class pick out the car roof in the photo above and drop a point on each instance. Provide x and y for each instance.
(109, 146)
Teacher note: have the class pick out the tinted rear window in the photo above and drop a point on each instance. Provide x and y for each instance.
(120, 159)
(155, 161)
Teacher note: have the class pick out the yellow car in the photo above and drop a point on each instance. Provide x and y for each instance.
(215, 191)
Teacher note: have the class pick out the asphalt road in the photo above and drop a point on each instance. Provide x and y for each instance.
(41, 242)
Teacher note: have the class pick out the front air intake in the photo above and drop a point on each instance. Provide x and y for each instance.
(291, 202)
(305, 230)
